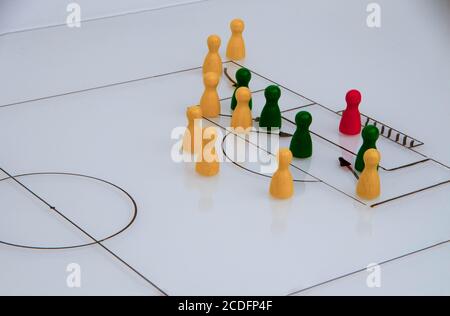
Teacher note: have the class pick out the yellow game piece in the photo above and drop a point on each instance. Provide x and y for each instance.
(369, 182)
(192, 139)
(242, 119)
(213, 61)
(282, 184)
(208, 162)
(236, 45)
(210, 103)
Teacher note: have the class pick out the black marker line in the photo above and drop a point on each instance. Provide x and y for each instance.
(365, 269)
(302, 96)
(294, 166)
(100, 87)
(299, 107)
(250, 170)
(410, 193)
(53, 208)
(103, 17)
(233, 82)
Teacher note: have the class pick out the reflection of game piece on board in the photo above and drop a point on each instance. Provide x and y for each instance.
(236, 45)
(192, 136)
(368, 186)
(243, 77)
(351, 117)
(208, 162)
(282, 183)
(301, 143)
(271, 114)
(213, 61)
(242, 119)
(370, 136)
(210, 103)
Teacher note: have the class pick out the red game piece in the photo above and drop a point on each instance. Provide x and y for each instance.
(351, 118)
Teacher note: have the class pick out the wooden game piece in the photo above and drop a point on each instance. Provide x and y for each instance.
(351, 117)
(243, 77)
(370, 135)
(271, 114)
(210, 102)
(213, 61)
(368, 186)
(192, 139)
(208, 162)
(301, 143)
(282, 183)
(236, 45)
(242, 119)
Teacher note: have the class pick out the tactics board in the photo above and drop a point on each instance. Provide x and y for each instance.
(88, 179)
(185, 230)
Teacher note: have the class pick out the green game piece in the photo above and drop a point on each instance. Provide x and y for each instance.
(301, 143)
(370, 135)
(243, 77)
(271, 114)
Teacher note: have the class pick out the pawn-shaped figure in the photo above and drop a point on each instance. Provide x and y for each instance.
(368, 186)
(243, 77)
(236, 45)
(370, 135)
(301, 143)
(271, 114)
(351, 117)
(242, 120)
(208, 162)
(282, 183)
(213, 61)
(210, 102)
(192, 139)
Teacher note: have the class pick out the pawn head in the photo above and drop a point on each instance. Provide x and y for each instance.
(303, 119)
(272, 93)
(194, 112)
(243, 94)
(211, 79)
(370, 133)
(284, 157)
(237, 26)
(214, 43)
(372, 157)
(353, 98)
(243, 77)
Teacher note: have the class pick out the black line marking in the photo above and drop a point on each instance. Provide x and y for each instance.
(233, 82)
(99, 87)
(55, 210)
(298, 168)
(103, 18)
(365, 269)
(406, 166)
(133, 219)
(250, 170)
(299, 107)
(410, 193)
(321, 137)
(389, 133)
